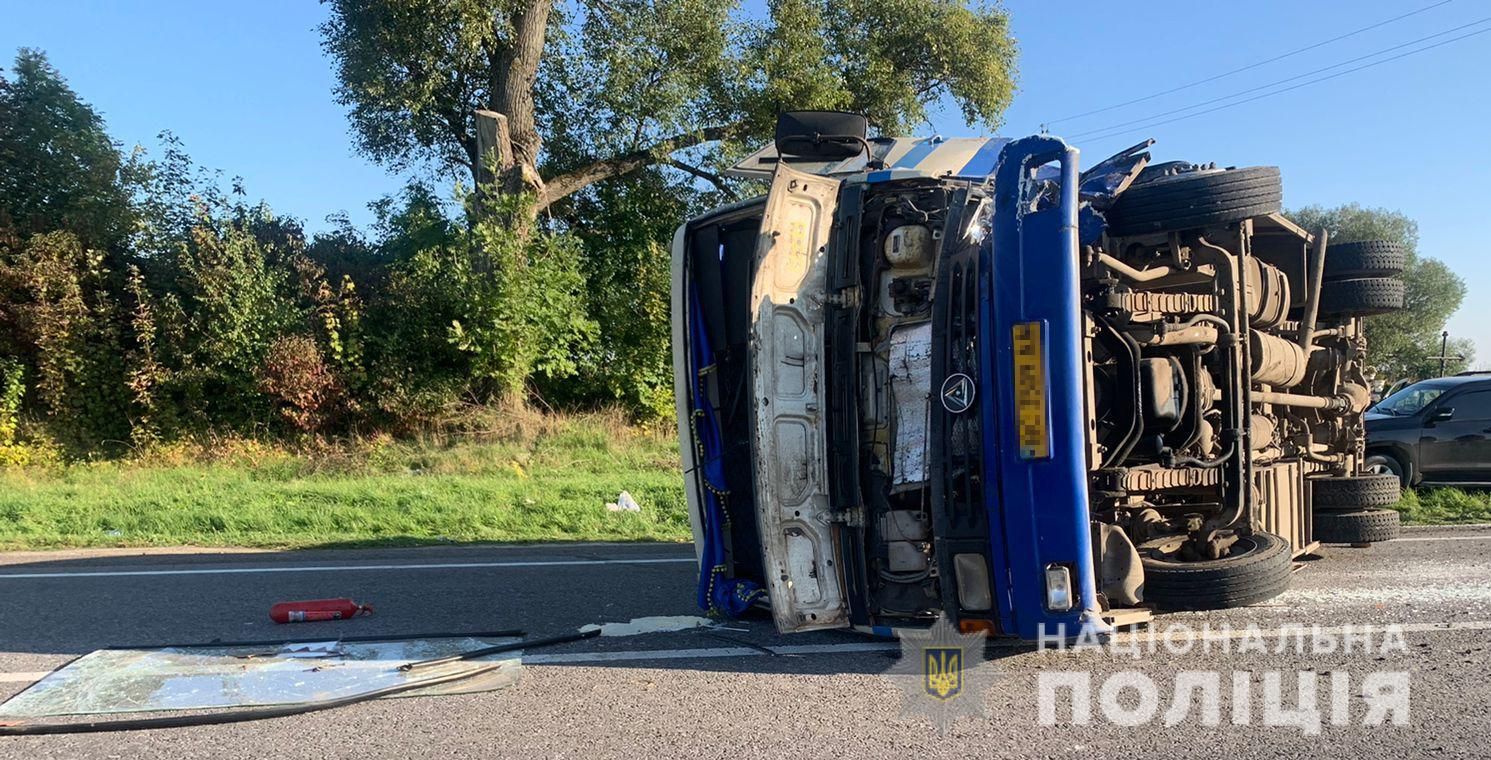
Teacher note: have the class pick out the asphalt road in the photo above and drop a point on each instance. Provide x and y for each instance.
(740, 691)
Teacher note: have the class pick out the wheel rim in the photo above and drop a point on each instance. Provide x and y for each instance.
(1166, 549)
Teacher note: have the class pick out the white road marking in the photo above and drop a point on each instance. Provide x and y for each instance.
(1486, 537)
(1189, 634)
(460, 565)
(345, 568)
(711, 652)
(24, 677)
(1234, 632)
(1172, 637)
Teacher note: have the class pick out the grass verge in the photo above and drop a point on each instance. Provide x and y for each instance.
(550, 481)
(1445, 506)
(528, 477)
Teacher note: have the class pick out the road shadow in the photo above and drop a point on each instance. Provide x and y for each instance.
(127, 558)
(71, 605)
(425, 542)
(68, 604)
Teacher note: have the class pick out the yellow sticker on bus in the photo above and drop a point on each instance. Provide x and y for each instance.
(1031, 417)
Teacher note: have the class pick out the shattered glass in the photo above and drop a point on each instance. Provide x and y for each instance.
(214, 677)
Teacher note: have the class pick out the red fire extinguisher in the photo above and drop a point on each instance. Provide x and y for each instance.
(316, 609)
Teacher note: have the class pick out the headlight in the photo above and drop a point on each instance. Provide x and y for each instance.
(972, 572)
(1058, 588)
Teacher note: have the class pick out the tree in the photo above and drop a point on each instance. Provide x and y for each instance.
(1403, 344)
(58, 316)
(58, 168)
(598, 89)
(624, 225)
(618, 114)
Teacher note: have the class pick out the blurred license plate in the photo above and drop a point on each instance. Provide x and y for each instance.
(1031, 418)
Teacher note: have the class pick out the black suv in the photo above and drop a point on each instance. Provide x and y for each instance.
(1434, 431)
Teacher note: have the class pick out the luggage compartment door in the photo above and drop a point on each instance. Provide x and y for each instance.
(787, 375)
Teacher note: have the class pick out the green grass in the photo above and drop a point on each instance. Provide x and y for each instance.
(534, 478)
(1445, 506)
(545, 486)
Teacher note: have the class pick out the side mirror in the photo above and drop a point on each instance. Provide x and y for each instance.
(822, 135)
(1441, 414)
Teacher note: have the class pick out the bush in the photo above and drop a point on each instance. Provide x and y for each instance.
(64, 320)
(296, 377)
(474, 313)
(32, 456)
(141, 304)
(623, 226)
(528, 316)
(12, 390)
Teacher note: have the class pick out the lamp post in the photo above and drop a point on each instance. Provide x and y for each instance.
(1444, 354)
(1444, 343)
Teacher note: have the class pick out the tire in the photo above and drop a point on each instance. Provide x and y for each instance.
(1365, 526)
(1256, 571)
(1368, 258)
(1355, 492)
(1361, 297)
(1386, 464)
(1196, 199)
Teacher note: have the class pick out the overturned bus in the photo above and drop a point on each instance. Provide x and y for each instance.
(965, 377)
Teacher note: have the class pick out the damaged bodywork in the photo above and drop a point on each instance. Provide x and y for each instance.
(964, 377)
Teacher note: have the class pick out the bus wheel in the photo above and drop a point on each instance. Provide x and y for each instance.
(1192, 199)
(1257, 569)
(1354, 492)
(1365, 526)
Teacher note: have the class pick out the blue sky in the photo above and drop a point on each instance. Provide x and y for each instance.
(246, 87)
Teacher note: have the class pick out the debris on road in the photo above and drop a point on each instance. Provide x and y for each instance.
(314, 610)
(250, 684)
(653, 624)
(312, 651)
(249, 676)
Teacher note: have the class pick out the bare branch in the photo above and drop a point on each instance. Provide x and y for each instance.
(716, 179)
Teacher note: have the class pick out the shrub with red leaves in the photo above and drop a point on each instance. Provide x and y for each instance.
(296, 376)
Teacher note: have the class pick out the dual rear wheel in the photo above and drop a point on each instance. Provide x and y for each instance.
(1353, 509)
(1348, 510)
(1359, 276)
(1359, 280)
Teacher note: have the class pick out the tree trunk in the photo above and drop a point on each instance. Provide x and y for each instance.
(494, 150)
(514, 72)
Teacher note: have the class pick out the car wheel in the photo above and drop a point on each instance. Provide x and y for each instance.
(1386, 464)
(1355, 491)
(1361, 297)
(1366, 258)
(1360, 527)
(1257, 570)
(1196, 199)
